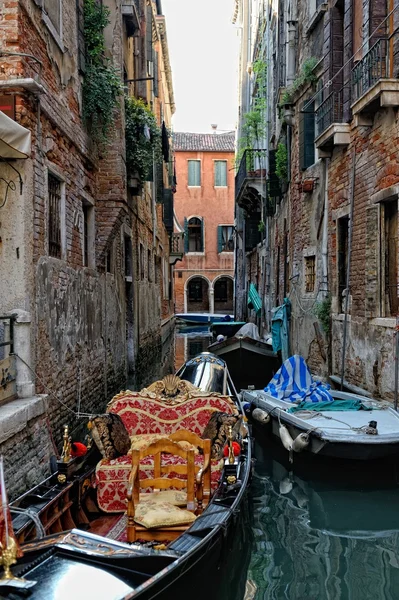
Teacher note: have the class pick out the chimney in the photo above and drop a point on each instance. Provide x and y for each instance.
(214, 127)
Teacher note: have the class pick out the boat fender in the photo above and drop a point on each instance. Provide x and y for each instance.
(286, 485)
(300, 442)
(261, 415)
(285, 437)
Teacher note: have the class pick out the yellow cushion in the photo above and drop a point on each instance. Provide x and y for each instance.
(161, 514)
(174, 497)
(138, 442)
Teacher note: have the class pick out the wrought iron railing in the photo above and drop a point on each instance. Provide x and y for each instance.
(370, 69)
(252, 164)
(177, 243)
(330, 111)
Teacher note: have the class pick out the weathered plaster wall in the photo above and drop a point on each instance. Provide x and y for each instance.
(369, 359)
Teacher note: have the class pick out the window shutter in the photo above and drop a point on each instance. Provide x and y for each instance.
(194, 173)
(301, 139)
(197, 165)
(220, 238)
(217, 173)
(372, 262)
(156, 79)
(185, 235)
(308, 135)
(81, 36)
(190, 172)
(168, 209)
(202, 235)
(149, 34)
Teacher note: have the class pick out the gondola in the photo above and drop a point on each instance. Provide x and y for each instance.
(250, 360)
(208, 559)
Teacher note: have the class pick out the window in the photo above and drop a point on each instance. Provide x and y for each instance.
(88, 234)
(54, 216)
(225, 238)
(142, 268)
(128, 258)
(195, 290)
(194, 173)
(220, 173)
(306, 135)
(149, 266)
(193, 235)
(342, 241)
(221, 290)
(310, 273)
(390, 257)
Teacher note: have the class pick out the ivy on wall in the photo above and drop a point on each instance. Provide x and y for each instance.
(143, 138)
(282, 162)
(102, 85)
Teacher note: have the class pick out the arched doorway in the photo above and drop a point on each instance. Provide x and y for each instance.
(198, 295)
(223, 295)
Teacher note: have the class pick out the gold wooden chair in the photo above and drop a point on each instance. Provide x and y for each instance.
(203, 475)
(159, 482)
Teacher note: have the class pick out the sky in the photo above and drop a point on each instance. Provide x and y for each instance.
(203, 51)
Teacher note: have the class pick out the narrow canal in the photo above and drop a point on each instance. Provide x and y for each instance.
(320, 531)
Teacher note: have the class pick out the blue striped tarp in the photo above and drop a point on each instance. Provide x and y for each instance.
(293, 382)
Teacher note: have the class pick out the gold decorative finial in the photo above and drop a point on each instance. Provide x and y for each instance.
(66, 448)
(231, 451)
(8, 557)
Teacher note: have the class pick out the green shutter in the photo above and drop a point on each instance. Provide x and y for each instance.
(220, 238)
(306, 135)
(202, 235)
(185, 235)
(194, 173)
(220, 173)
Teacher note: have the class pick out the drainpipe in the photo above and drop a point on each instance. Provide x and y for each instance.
(324, 247)
(291, 52)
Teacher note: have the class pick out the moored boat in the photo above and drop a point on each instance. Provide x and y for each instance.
(250, 360)
(171, 562)
(309, 417)
(200, 318)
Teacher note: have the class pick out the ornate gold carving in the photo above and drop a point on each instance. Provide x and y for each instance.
(231, 479)
(61, 478)
(9, 557)
(170, 390)
(66, 448)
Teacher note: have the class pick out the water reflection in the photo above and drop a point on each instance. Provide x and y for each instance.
(190, 341)
(322, 539)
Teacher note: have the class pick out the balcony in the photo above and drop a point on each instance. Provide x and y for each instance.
(373, 83)
(131, 17)
(176, 247)
(250, 182)
(331, 131)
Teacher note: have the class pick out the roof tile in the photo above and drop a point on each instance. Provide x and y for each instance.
(204, 142)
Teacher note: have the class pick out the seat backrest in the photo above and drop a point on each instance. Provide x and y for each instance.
(157, 449)
(147, 415)
(203, 476)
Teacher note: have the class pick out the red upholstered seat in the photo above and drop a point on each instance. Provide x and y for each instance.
(147, 415)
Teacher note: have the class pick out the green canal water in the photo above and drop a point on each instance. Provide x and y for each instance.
(322, 530)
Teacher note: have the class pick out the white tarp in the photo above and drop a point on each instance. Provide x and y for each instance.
(14, 139)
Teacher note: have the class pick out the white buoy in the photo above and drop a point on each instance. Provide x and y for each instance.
(300, 442)
(261, 415)
(285, 437)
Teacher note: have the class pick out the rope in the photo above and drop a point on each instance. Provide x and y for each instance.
(40, 531)
(50, 392)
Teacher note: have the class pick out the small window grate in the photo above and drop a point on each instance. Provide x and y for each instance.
(54, 195)
(310, 273)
